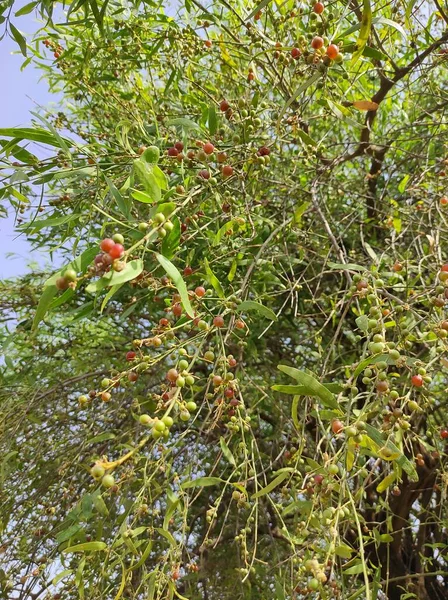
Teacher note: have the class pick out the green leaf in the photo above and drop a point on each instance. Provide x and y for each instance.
(25, 10)
(294, 412)
(201, 482)
(86, 547)
(401, 460)
(386, 538)
(100, 505)
(317, 75)
(271, 486)
(212, 120)
(151, 178)
(306, 139)
(312, 386)
(386, 482)
(346, 267)
(222, 231)
(249, 305)
(44, 302)
(226, 451)
(130, 271)
(355, 569)
(343, 551)
(142, 197)
(60, 576)
(151, 155)
(393, 24)
(300, 210)
(102, 437)
(185, 123)
(259, 7)
(364, 32)
(123, 203)
(362, 322)
(18, 38)
(372, 360)
(302, 390)
(34, 134)
(213, 280)
(176, 278)
(171, 242)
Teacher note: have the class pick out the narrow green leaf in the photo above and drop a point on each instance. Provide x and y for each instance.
(34, 134)
(226, 451)
(271, 486)
(312, 386)
(393, 24)
(142, 197)
(102, 437)
(401, 460)
(213, 280)
(386, 482)
(201, 482)
(178, 281)
(346, 267)
(171, 242)
(306, 139)
(113, 290)
(212, 119)
(123, 203)
(364, 32)
(343, 551)
(130, 271)
(299, 91)
(145, 174)
(355, 569)
(44, 302)
(25, 10)
(249, 305)
(257, 9)
(86, 547)
(300, 210)
(18, 38)
(302, 390)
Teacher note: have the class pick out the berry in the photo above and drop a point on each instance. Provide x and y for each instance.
(208, 148)
(444, 434)
(97, 471)
(106, 396)
(168, 421)
(179, 146)
(145, 420)
(229, 392)
(443, 201)
(188, 271)
(318, 479)
(332, 51)
(318, 8)
(107, 244)
(221, 157)
(130, 355)
(227, 171)
(61, 283)
(132, 377)
(208, 44)
(239, 324)
(217, 380)
(382, 387)
(180, 381)
(397, 267)
(117, 251)
(191, 406)
(209, 355)
(317, 43)
(189, 380)
(172, 375)
(159, 426)
(264, 151)
(337, 426)
(224, 105)
(204, 174)
(172, 151)
(417, 380)
(118, 238)
(200, 291)
(295, 53)
(108, 481)
(177, 310)
(218, 321)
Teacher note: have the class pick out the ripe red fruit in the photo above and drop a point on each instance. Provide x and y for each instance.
(337, 426)
(177, 310)
(443, 201)
(317, 42)
(107, 244)
(163, 322)
(200, 291)
(208, 44)
(218, 321)
(444, 434)
(188, 271)
(61, 283)
(232, 362)
(444, 268)
(179, 146)
(229, 393)
(318, 8)
(332, 51)
(204, 174)
(295, 53)
(116, 251)
(208, 148)
(239, 324)
(172, 375)
(417, 380)
(227, 171)
(132, 376)
(264, 151)
(318, 479)
(397, 267)
(130, 355)
(250, 76)
(224, 105)
(221, 157)
(382, 387)
(172, 151)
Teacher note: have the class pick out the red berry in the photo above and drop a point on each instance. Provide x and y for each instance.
(56, 55)
(164, 322)
(295, 53)
(239, 324)
(317, 42)
(362, 285)
(200, 291)
(61, 283)
(172, 151)
(98, 260)
(208, 148)
(417, 380)
(232, 362)
(179, 146)
(443, 201)
(107, 244)
(264, 151)
(221, 157)
(172, 375)
(337, 426)
(116, 251)
(177, 310)
(332, 51)
(208, 44)
(227, 171)
(229, 393)
(318, 8)
(204, 174)
(444, 268)
(250, 76)
(318, 479)
(132, 376)
(130, 355)
(397, 267)
(224, 105)
(218, 321)
(188, 271)
(444, 434)
(190, 154)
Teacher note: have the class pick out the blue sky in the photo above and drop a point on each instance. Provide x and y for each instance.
(24, 92)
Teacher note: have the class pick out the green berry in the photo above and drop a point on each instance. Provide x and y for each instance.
(184, 415)
(183, 365)
(145, 420)
(189, 380)
(97, 471)
(108, 480)
(118, 238)
(191, 406)
(168, 421)
(160, 426)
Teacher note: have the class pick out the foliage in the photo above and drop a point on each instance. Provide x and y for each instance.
(243, 393)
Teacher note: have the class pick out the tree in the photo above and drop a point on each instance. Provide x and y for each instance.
(235, 386)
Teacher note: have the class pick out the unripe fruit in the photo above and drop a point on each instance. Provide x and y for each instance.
(189, 380)
(61, 283)
(159, 218)
(108, 481)
(145, 420)
(118, 238)
(107, 244)
(184, 415)
(159, 426)
(116, 251)
(180, 381)
(333, 469)
(172, 375)
(209, 355)
(168, 421)
(183, 364)
(191, 406)
(70, 275)
(97, 471)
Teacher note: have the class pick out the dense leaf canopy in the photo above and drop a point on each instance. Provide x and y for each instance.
(235, 384)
